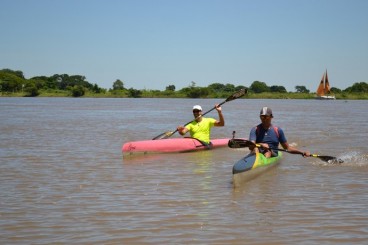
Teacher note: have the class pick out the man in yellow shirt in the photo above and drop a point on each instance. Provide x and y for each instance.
(200, 127)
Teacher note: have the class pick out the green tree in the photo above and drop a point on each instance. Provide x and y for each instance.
(335, 90)
(10, 82)
(77, 91)
(278, 89)
(170, 88)
(217, 87)
(64, 81)
(47, 82)
(259, 87)
(361, 87)
(96, 89)
(16, 73)
(237, 88)
(31, 90)
(118, 85)
(134, 93)
(229, 87)
(197, 92)
(301, 89)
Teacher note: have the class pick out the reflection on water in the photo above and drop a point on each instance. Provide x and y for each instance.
(63, 177)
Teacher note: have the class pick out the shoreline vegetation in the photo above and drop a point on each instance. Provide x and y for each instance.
(14, 84)
(150, 94)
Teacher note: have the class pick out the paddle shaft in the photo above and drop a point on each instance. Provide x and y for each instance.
(328, 159)
(278, 149)
(240, 143)
(234, 96)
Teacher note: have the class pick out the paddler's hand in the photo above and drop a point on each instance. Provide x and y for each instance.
(264, 145)
(252, 146)
(306, 154)
(218, 108)
(182, 130)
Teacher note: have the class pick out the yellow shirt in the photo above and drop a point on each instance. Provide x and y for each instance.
(201, 130)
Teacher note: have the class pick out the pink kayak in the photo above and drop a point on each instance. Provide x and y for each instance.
(169, 145)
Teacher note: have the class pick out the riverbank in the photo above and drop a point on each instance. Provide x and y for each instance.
(154, 94)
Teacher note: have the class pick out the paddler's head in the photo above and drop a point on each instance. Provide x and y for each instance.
(266, 116)
(197, 112)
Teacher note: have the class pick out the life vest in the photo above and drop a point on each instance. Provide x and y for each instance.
(276, 129)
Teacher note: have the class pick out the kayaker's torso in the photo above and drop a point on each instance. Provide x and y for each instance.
(272, 135)
(201, 130)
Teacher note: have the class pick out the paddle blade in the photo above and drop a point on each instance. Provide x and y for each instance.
(239, 143)
(163, 135)
(329, 159)
(236, 95)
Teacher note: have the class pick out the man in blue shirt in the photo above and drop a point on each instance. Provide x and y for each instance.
(270, 136)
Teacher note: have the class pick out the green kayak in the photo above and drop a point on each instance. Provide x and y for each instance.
(251, 166)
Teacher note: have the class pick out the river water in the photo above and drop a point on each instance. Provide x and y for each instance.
(63, 178)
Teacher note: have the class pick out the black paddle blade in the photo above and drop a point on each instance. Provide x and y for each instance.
(238, 94)
(330, 159)
(163, 135)
(239, 143)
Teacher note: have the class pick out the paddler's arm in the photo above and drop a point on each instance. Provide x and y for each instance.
(221, 121)
(294, 150)
(252, 138)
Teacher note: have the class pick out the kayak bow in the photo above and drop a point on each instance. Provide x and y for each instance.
(252, 165)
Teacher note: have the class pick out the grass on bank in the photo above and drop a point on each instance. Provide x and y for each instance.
(171, 94)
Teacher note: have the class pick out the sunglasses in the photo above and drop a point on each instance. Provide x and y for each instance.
(196, 111)
(264, 116)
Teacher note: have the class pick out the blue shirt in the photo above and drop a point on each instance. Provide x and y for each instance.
(268, 136)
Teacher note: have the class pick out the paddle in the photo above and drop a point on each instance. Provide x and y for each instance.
(241, 143)
(234, 96)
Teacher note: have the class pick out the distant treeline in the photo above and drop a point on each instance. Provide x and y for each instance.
(13, 83)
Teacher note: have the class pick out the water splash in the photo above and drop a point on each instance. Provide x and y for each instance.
(354, 158)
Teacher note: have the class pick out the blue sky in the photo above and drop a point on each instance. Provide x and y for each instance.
(150, 44)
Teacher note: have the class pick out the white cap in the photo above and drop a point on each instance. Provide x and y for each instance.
(197, 107)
